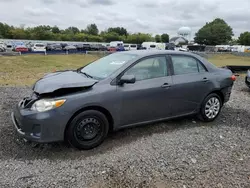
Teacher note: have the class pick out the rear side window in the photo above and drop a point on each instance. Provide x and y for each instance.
(186, 65)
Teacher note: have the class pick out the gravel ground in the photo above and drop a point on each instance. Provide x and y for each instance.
(180, 153)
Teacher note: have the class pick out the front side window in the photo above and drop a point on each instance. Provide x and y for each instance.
(186, 65)
(103, 67)
(149, 68)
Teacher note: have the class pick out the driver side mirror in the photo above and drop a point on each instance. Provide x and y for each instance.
(128, 79)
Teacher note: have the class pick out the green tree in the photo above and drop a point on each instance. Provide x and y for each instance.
(244, 38)
(139, 38)
(5, 30)
(55, 30)
(214, 33)
(71, 30)
(157, 38)
(18, 33)
(112, 36)
(118, 30)
(92, 29)
(165, 38)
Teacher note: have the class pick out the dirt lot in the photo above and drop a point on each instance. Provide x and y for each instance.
(181, 153)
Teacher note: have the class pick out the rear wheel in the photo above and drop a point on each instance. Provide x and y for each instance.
(210, 108)
(87, 129)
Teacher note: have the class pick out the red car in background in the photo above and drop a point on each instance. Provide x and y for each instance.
(21, 49)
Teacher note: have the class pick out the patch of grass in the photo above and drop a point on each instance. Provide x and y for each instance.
(25, 70)
(228, 59)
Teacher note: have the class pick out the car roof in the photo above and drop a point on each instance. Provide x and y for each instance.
(143, 53)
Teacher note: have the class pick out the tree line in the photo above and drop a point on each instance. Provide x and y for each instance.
(212, 33)
(219, 32)
(90, 34)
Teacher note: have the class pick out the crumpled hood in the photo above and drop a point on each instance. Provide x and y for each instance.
(61, 80)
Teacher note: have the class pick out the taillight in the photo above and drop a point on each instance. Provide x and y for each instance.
(233, 77)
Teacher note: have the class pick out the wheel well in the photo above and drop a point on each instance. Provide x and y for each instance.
(218, 92)
(97, 108)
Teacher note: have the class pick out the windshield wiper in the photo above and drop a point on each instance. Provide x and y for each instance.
(88, 76)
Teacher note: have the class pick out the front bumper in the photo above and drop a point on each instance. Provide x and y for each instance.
(42, 127)
(247, 81)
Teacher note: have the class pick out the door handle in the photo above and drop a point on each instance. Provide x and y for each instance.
(204, 79)
(166, 85)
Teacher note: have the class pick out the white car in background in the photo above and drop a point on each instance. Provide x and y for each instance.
(133, 46)
(128, 47)
(38, 47)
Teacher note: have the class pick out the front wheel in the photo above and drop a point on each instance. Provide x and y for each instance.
(87, 130)
(210, 108)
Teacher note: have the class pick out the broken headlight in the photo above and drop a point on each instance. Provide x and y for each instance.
(47, 104)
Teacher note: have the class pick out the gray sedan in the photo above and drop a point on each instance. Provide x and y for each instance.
(121, 90)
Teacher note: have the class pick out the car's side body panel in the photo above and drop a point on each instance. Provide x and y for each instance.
(144, 101)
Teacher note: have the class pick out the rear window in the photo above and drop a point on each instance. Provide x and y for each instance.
(133, 46)
(152, 46)
(39, 45)
(126, 45)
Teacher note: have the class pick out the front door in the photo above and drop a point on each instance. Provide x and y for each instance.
(149, 97)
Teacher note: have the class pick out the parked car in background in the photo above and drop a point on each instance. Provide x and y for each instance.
(2, 49)
(86, 47)
(116, 46)
(170, 46)
(133, 46)
(248, 79)
(121, 90)
(53, 47)
(70, 48)
(149, 45)
(21, 48)
(140, 47)
(38, 47)
(128, 47)
(98, 47)
(9, 47)
(63, 45)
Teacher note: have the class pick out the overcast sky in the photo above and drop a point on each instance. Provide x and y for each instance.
(151, 16)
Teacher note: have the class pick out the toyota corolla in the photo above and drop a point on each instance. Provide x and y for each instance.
(121, 90)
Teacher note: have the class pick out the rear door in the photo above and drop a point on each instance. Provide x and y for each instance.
(191, 83)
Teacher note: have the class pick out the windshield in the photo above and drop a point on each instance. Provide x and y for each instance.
(105, 66)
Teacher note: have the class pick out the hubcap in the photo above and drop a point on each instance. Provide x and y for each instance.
(87, 129)
(212, 107)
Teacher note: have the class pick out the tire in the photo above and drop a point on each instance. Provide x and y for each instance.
(206, 115)
(87, 130)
